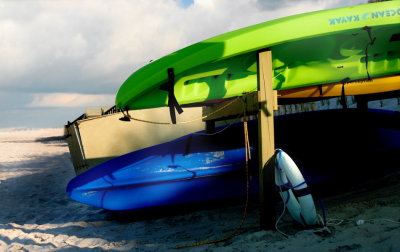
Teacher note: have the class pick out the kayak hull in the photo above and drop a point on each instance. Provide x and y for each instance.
(318, 48)
(199, 167)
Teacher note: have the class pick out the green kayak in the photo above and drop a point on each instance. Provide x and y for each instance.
(330, 46)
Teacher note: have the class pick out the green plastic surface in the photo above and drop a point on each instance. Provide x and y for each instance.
(308, 49)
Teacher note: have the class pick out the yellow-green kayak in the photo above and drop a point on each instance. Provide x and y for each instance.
(330, 46)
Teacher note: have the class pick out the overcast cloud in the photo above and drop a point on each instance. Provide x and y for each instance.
(59, 56)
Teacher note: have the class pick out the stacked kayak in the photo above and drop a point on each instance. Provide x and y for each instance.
(332, 46)
(198, 167)
(313, 49)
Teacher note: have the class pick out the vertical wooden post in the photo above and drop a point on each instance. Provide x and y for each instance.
(266, 141)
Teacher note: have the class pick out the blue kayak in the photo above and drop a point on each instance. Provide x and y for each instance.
(189, 169)
(200, 167)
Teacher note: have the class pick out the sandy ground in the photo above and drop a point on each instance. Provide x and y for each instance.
(37, 215)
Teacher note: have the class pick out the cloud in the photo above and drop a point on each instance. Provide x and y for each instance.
(70, 100)
(308, 5)
(58, 49)
(68, 45)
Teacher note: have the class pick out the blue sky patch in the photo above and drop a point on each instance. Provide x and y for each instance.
(185, 3)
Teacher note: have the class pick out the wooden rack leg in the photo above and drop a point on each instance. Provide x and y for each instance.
(266, 139)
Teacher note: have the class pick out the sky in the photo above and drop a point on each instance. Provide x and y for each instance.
(58, 57)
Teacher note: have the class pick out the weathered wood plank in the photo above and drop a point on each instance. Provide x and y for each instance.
(266, 145)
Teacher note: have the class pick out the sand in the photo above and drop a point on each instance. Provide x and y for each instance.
(37, 215)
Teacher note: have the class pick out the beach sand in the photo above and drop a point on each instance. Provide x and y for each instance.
(37, 215)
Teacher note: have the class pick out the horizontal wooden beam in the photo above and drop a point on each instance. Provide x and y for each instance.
(232, 108)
